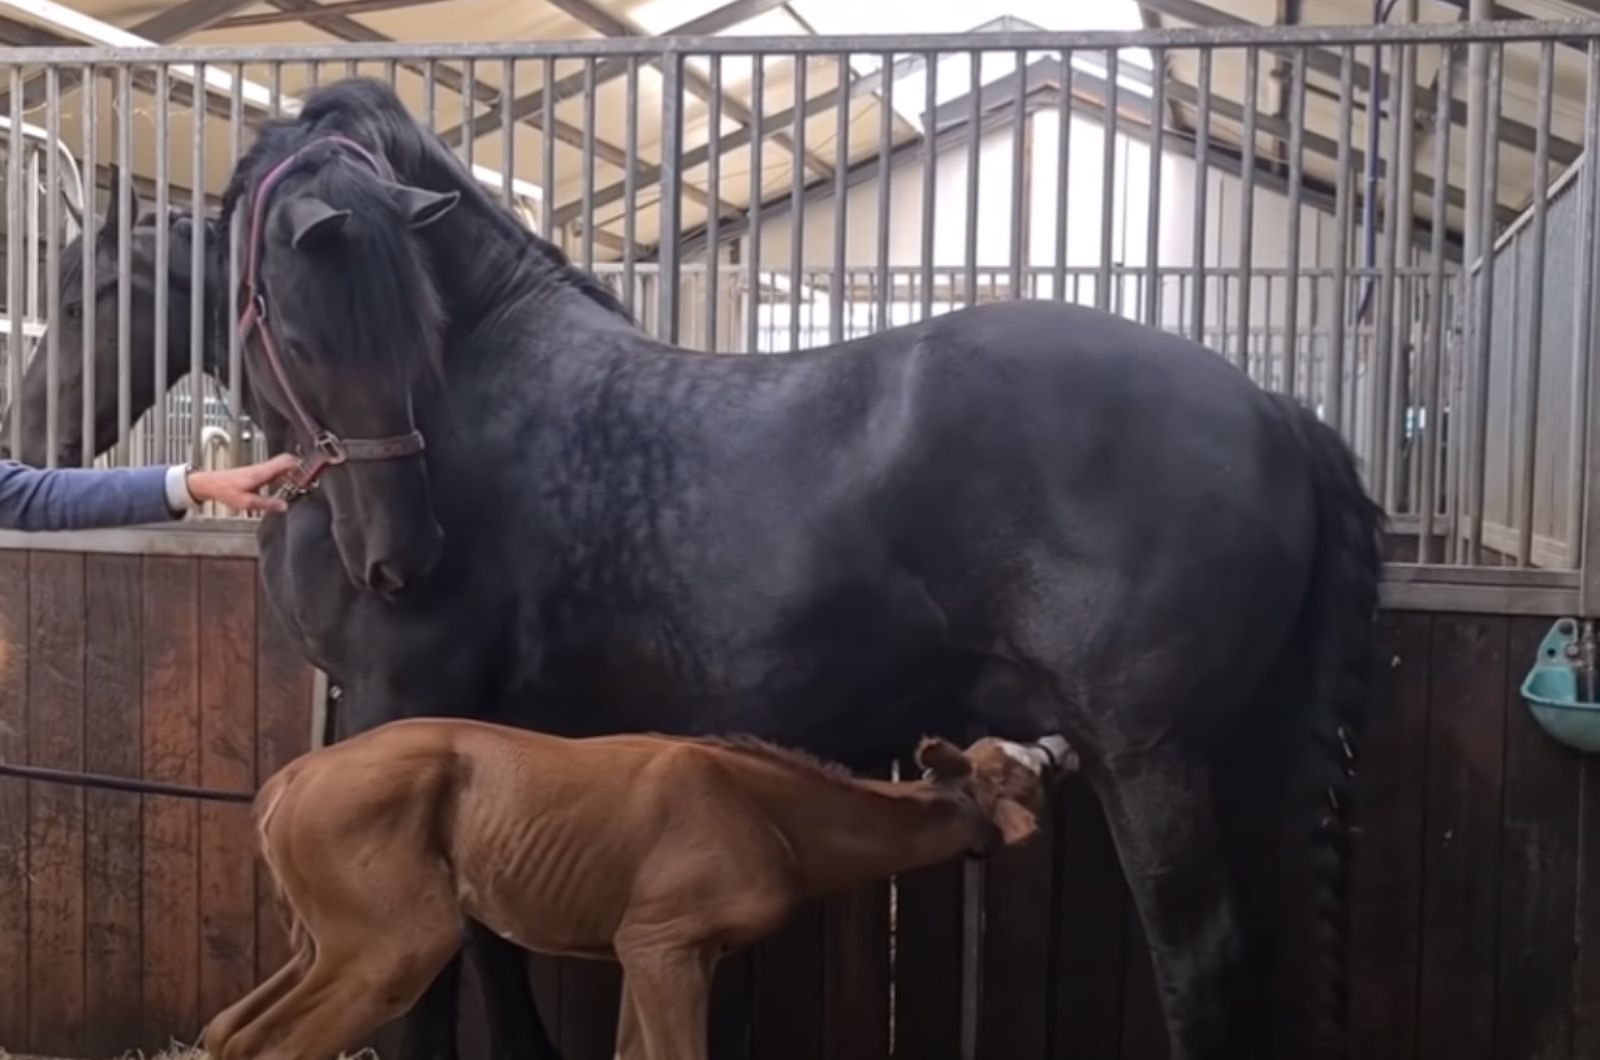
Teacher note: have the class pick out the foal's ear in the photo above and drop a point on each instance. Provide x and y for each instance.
(1015, 821)
(314, 222)
(422, 207)
(943, 760)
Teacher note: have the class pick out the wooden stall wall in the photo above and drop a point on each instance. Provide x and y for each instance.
(127, 921)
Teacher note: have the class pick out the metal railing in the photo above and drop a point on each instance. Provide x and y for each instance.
(939, 172)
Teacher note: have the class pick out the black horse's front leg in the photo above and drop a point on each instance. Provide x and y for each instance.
(516, 1031)
(428, 1031)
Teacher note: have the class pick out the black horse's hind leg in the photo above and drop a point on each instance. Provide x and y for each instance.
(516, 1031)
(1159, 808)
(428, 1031)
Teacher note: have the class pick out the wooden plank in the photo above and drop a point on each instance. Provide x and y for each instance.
(927, 964)
(55, 812)
(789, 990)
(113, 708)
(227, 762)
(1089, 910)
(732, 1007)
(1586, 994)
(14, 886)
(1014, 995)
(591, 992)
(855, 997)
(171, 826)
(283, 733)
(1461, 896)
(1538, 874)
(1386, 847)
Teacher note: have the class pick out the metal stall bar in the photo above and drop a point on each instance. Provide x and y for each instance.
(713, 201)
(797, 198)
(1152, 247)
(1019, 179)
(122, 191)
(1403, 379)
(930, 166)
(1063, 175)
(1477, 468)
(1433, 374)
(630, 191)
(197, 270)
(969, 275)
(1578, 425)
(758, 73)
(1533, 353)
(158, 419)
(234, 238)
(1291, 294)
(89, 90)
(885, 145)
(841, 205)
(52, 264)
(1108, 184)
(671, 158)
(15, 349)
(1202, 188)
(508, 139)
(1333, 388)
(1384, 375)
(588, 163)
(548, 145)
(1247, 203)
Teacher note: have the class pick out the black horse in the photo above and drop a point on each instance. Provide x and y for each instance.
(1023, 518)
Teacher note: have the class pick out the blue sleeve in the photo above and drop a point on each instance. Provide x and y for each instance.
(81, 498)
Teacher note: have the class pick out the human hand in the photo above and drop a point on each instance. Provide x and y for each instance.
(238, 487)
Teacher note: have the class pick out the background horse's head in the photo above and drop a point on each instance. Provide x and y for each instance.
(346, 338)
(31, 405)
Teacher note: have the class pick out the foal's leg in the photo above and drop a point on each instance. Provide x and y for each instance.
(1159, 807)
(671, 994)
(516, 1031)
(630, 1040)
(230, 1020)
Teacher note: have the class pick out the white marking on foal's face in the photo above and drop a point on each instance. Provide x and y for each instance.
(1032, 759)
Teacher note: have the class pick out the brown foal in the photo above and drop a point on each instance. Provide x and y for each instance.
(659, 852)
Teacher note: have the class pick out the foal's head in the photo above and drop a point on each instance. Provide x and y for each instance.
(347, 332)
(1004, 781)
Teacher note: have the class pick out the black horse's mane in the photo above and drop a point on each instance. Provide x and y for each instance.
(368, 111)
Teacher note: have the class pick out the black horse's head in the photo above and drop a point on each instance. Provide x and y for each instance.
(79, 316)
(344, 335)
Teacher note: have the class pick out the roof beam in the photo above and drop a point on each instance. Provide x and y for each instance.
(1329, 64)
(340, 9)
(530, 106)
(192, 16)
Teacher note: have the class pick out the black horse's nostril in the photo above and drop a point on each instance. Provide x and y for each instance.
(385, 578)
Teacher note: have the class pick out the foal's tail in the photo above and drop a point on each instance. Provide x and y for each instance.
(1311, 729)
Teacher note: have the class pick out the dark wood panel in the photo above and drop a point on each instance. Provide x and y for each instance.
(927, 966)
(1014, 1015)
(1386, 847)
(1538, 875)
(113, 709)
(283, 732)
(1089, 911)
(55, 812)
(14, 885)
(227, 762)
(1144, 1031)
(733, 1007)
(855, 930)
(789, 988)
(171, 825)
(591, 992)
(1460, 905)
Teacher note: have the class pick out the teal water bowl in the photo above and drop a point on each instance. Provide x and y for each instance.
(1552, 694)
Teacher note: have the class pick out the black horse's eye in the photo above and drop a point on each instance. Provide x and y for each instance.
(74, 310)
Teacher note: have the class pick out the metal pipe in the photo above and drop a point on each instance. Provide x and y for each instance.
(797, 200)
(1202, 193)
(52, 265)
(1535, 342)
(15, 222)
(197, 270)
(1588, 245)
(235, 346)
(753, 240)
(1291, 301)
(974, 145)
(1386, 382)
(163, 265)
(885, 144)
(930, 166)
(508, 137)
(1247, 201)
(1406, 358)
(1333, 394)
(1019, 183)
(548, 147)
(1152, 249)
(88, 290)
(588, 167)
(671, 178)
(122, 188)
(713, 202)
(1063, 175)
(1478, 468)
(630, 189)
(841, 204)
(1108, 178)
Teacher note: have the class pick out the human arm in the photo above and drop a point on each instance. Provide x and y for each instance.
(90, 499)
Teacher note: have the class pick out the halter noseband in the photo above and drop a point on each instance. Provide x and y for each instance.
(327, 449)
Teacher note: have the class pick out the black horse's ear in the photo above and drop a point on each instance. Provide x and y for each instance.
(108, 227)
(314, 222)
(422, 207)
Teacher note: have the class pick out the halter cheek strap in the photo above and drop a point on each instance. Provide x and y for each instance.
(325, 448)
